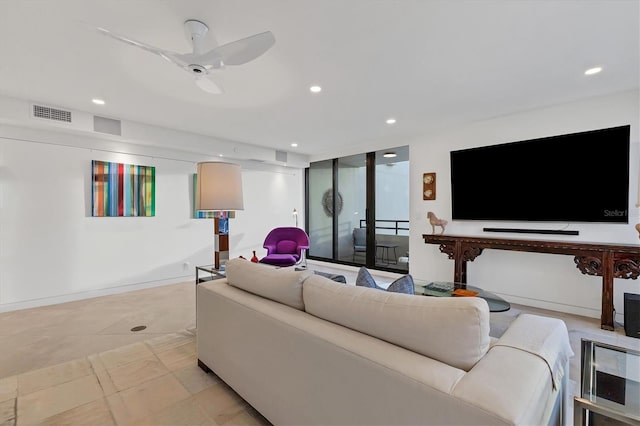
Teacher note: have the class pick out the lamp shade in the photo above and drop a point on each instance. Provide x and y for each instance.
(219, 186)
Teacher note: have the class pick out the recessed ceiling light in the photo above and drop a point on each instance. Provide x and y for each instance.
(315, 89)
(592, 71)
(97, 101)
(389, 155)
(295, 145)
(391, 121)
(220, 155)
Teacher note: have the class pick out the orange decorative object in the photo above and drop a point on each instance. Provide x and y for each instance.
(464, 293)
(254, 259)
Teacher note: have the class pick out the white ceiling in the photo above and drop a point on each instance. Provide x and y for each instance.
(429, 63)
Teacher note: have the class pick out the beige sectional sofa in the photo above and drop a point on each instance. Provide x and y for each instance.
(304, 350)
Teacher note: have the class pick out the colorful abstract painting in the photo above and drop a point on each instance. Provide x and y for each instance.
(122, 189)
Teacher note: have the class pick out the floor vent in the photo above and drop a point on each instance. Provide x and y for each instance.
(107, 125)
(49, 113)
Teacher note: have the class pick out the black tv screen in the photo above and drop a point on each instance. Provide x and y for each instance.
(578, 177)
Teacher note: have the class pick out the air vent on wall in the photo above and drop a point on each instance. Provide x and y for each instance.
(107, 125)
(281, 156)
(49, 113)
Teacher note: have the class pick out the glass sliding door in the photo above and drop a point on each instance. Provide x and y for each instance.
(392, 208)
(320, 209)
(358, 210)
(352, 187)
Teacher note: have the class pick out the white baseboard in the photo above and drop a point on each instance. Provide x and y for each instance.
(54, 300)
(559, 307)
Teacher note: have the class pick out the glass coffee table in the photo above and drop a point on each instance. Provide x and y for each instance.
(447, 289)
(210, 273)
(610, 391)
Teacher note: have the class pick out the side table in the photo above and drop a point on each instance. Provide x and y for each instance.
(214, 274)
(385, 253)
(610, 389)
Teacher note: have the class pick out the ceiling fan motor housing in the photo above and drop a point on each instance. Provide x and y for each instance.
(196, 29)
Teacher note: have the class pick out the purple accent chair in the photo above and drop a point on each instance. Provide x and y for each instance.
(286, 247)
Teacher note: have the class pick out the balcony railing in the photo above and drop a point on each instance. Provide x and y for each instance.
(396, 224)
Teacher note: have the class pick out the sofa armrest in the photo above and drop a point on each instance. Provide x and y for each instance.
(513, 380)
(544, 337)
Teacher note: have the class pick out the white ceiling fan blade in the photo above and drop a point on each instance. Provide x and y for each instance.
(240, 51)
(208, 85)
(172, 57)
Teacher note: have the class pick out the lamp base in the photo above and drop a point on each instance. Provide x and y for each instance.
(221, 241)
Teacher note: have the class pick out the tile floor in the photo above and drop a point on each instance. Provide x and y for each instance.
(78, 363)
(155, 382)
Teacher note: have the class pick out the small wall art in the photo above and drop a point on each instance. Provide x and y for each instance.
(122, 189)
(429, 186)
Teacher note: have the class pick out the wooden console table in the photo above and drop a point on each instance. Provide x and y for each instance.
(606, 260)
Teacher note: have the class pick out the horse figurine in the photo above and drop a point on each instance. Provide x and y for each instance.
(434, 221)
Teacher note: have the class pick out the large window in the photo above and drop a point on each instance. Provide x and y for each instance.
(358, 209)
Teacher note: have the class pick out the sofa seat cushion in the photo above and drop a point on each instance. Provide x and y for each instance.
(280, 285)
(278, 259)
(449, 329)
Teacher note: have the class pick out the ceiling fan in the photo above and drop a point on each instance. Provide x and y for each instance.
(201, 64)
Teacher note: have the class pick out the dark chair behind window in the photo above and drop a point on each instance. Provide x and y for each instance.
(359, 241)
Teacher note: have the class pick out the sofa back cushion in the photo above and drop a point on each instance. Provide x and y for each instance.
(280, 285)
(286, 246)
(453, 330)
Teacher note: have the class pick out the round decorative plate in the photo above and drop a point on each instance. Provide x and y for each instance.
(327, 202)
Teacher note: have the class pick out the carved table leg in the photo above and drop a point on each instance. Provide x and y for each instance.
(460, 264)
(606, 320)
(460, 273)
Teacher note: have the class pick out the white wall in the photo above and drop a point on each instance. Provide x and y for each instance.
(542, 280)
(52, 250)
(270, 195)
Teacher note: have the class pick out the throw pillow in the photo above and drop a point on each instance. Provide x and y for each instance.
(364, 279)
(403, 284)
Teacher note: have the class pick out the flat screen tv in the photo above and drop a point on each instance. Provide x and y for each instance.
(578, 177)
